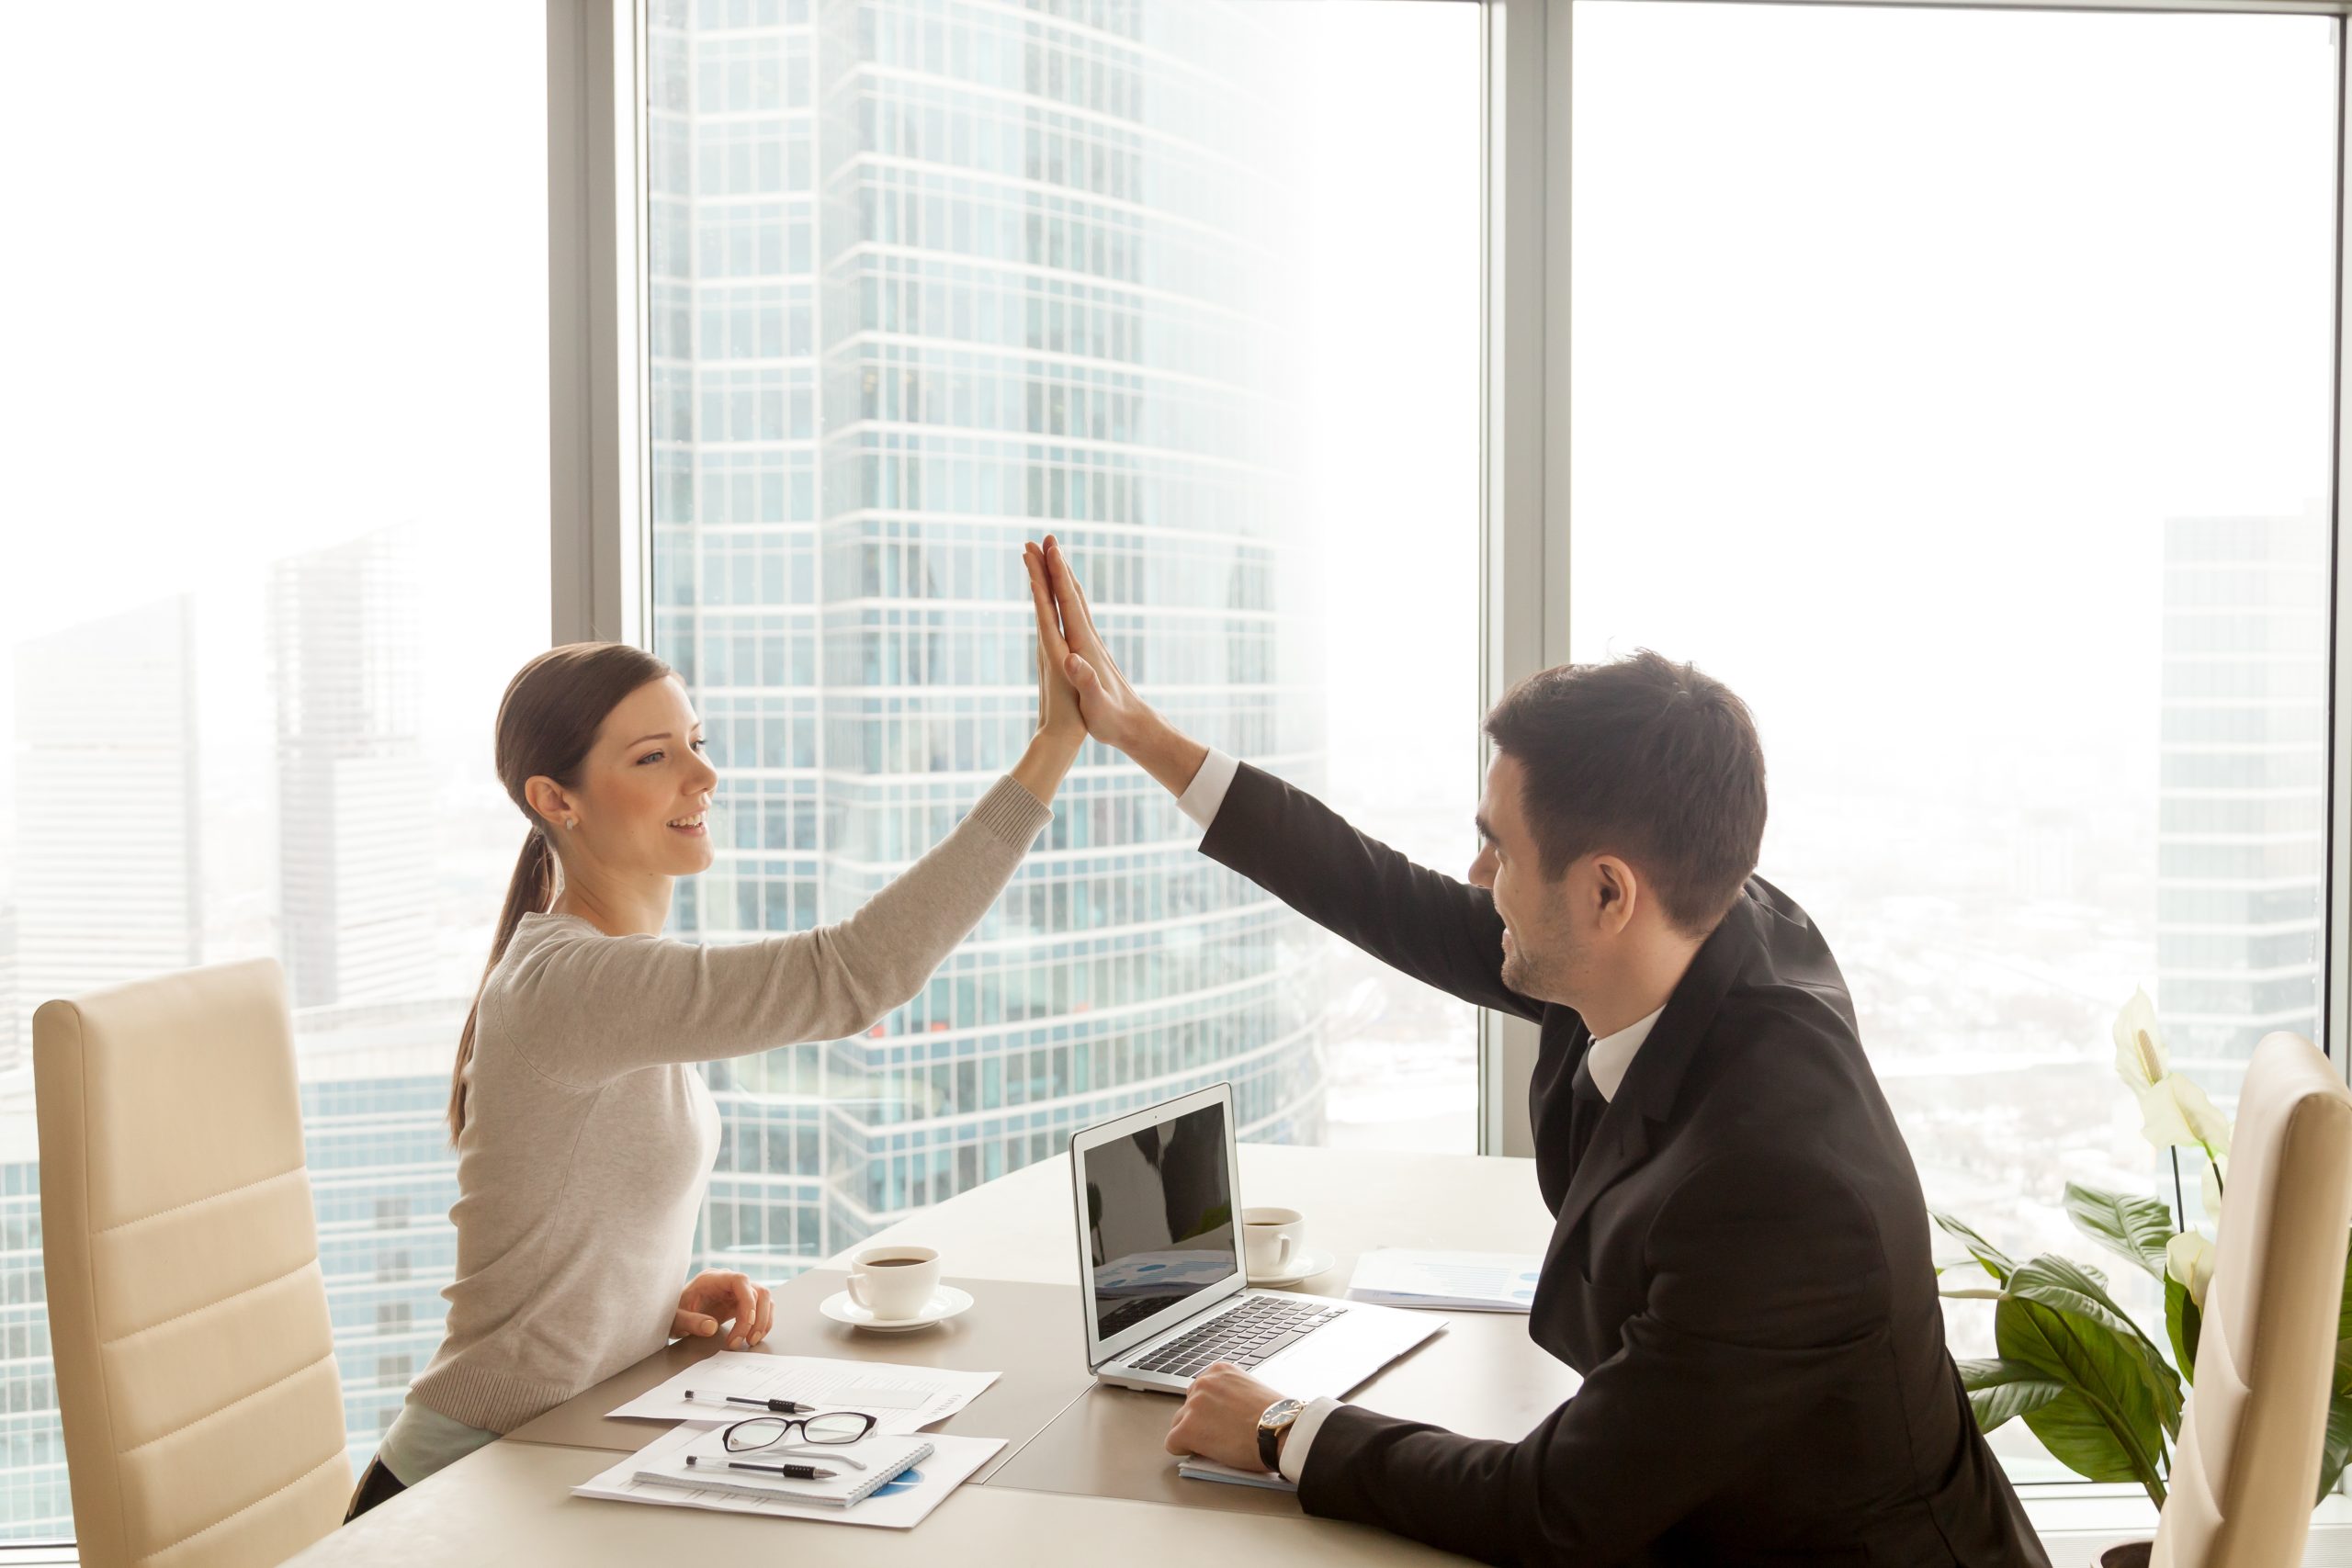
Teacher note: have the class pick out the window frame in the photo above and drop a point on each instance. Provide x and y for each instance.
(598, 280)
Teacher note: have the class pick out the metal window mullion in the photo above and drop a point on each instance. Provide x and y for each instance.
(2335, 1007)
(1523, 498)
(599, 486)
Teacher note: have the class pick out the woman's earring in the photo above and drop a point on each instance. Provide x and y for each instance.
(569, 824)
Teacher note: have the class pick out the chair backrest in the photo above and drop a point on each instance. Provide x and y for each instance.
(187, 1315)
(2247, 1468)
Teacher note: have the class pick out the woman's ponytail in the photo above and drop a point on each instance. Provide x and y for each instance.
(546, 722)
(528, 892)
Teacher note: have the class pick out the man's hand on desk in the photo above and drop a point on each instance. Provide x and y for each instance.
(1219, 1420)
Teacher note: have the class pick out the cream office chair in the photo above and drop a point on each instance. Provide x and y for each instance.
(187, 1316)
(2249, 1461)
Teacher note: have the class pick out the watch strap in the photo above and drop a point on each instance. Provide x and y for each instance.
(1277, 1420)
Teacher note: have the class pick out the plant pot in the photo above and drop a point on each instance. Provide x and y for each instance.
(2129, 1554)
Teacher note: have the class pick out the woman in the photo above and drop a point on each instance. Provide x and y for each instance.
(584, 1135)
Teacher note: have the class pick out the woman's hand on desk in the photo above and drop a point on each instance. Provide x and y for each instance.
(712, 1298)
(1220, 1419)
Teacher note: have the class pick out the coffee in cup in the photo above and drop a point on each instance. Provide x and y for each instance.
(894, 1283)
(1272, 1239)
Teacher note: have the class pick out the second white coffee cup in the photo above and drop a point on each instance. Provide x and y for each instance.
(1272, 1239)
(894, 1281)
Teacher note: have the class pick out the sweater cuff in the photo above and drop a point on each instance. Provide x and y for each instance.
(1301, 1435)
(1011, 813)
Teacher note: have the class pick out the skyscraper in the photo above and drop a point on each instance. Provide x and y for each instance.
(2243, 816)
(13, 1030)
(354, 805)
(108, 886)
(925, 285)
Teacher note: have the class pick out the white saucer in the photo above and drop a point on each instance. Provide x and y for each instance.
(945, 1303)
(1305, 1266)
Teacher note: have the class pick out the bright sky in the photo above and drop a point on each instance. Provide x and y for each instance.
(273, 321)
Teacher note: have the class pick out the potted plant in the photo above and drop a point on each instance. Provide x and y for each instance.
(2104, 1396)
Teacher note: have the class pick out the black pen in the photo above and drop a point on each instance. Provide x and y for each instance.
(781, 1407)
(789, 1472)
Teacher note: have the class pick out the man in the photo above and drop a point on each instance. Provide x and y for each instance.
(1740, 1265)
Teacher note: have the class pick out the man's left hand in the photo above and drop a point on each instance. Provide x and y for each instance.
(1219, 1420)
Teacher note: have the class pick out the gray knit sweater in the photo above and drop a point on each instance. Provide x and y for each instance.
(589, 1136)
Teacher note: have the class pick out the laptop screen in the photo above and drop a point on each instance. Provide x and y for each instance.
(1159, 1217)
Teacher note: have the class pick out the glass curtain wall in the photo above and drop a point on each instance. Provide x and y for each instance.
(1957, 387)
(930, 279)
(276, 537)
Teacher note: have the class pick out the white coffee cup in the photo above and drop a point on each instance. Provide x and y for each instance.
(1272, 1239)
(894, 1283)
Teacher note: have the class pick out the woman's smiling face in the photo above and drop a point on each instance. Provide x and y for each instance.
(644, 788)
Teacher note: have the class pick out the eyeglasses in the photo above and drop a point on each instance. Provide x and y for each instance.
(833, 1427)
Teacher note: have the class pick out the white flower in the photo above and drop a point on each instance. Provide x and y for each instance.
(2210, 1180)
(2140, 1059)
(2173, 1109)
(2188, 1260)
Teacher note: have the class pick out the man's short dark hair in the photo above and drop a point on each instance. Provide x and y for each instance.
(1644, 758)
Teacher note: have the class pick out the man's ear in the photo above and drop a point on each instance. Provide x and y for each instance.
(1616, 892)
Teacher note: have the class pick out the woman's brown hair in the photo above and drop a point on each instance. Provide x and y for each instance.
(547, 721)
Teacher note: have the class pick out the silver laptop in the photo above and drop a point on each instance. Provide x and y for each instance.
(1160, 1266)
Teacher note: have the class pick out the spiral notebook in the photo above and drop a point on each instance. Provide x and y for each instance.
(883, 1458)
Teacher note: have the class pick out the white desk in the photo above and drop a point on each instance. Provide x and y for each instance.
(1084, 1476)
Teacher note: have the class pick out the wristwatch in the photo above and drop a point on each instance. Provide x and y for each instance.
(1270, 1427)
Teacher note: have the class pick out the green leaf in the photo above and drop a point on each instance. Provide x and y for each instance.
(2338, 1447)
(2183, 1323)
(2139, 1228)
(1996, 1261)
(2105, 1426)
(1999, 1389)
(2343, 1312)
(2061, 1285)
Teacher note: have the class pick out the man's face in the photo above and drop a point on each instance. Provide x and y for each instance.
(1541, 956)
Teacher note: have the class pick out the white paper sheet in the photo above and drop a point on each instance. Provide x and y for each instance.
(900, 1506)
(899, 1398)
(1458, 1282)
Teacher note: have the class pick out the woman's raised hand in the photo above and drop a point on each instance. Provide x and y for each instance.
(1113, 714)
(1057, 709)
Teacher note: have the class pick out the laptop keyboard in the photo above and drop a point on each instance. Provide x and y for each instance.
(1260, 1327)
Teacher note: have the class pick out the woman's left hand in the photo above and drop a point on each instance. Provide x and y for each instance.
(714, 1297)
(1057, 710)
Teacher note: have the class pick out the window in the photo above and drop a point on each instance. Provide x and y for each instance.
(1957, 387)
(246, 678)
(1138, 281)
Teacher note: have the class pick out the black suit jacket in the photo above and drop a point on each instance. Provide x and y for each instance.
(1739, 1266)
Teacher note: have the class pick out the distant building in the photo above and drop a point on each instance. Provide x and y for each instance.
(2242, 827)
(355, 809)
(922, 288)
(106, 873)
(15, 1033)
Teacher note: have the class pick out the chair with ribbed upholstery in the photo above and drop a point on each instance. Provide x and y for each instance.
(187, 1314)
(2247, 1465)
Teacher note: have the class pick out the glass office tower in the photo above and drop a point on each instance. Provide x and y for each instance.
(928, 281)
(354, 801)
(2241, 849)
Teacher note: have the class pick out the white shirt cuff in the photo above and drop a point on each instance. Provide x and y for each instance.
(1302, 1434)
(1207, 791)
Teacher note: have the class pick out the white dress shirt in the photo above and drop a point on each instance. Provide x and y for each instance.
(1610, 1057)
